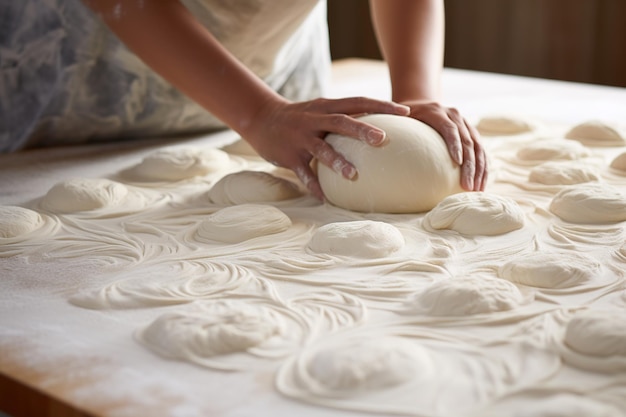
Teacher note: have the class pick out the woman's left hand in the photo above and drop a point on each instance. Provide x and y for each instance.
(460, 137)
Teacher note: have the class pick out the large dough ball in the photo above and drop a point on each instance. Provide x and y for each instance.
(410, 173)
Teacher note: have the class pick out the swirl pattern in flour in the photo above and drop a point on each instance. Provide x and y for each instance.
(252, 187)
(555, 405)
(476, 214)
(175, 283)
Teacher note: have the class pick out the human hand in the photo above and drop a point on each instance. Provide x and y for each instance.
(290, 135)
(460, 137)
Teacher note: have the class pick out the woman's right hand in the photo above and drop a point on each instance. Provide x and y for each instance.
(290, 135)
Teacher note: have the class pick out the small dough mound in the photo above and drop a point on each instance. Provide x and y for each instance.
(590, 203)
(619, 163)
(504, 125)
(82, 194)
(410, 173)
(355, 368)
(252, 187)
(597, 133)
(361, 239)
(18, 221)
(464, 296)
(552, 271)
(598, 333)
(220, 329)
(175, 164)
(553, 149)
(476, 213)
(562, 173)
(240, 223)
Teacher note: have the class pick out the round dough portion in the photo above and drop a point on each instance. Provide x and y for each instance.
(590, 203)
(476, 213)
(252, 187)
(560, 173)
(18, 221)
(244, 222)
(597, 333)
(597, 133)
(553, 271)
(82, 194)
(464, 296)
(619, 163)
(175, 164)
(553, 149)
(410, 173)
(503, 125)
(361, 239)
(353, 368)
(219, 329)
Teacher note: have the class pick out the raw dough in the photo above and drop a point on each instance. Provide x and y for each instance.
(590, 203)
(619, 163)
(348, 370)
(553, 149)
(476, 213)
(550, 270)
(463, 296)
(18, 221)
(562, 173)
(600, 333)
(82, 194)
(215, 329)
(410, 173)
(504, 125)
(252, 187)
(361, 239)
(240, 223)
(175, 164)
(597, 133)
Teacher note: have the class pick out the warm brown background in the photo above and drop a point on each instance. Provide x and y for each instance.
(573, 40)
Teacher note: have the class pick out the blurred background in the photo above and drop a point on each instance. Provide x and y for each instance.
(571, 40)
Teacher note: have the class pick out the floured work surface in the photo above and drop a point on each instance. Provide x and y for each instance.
(183, 280)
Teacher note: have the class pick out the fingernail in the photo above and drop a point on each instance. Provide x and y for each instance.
(402, 109)
(349, 172)
(375, 137)
(459, 156)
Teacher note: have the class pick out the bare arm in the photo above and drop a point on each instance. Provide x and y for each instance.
(168, 38)
(411, 36)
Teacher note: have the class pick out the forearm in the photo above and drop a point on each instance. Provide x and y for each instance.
(166, 36)
(410, 34)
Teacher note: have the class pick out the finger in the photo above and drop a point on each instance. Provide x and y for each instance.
(360, 105)
(449, 131)
(348, 126)
(480, 176)
(325, 154)
(310, 181)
